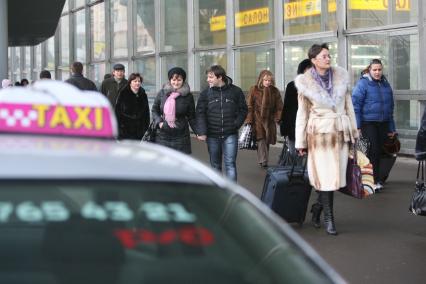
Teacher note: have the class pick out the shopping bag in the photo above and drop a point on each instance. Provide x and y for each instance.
(367, 176)
(247, 139)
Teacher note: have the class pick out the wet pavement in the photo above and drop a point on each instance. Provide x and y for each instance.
(379, 241)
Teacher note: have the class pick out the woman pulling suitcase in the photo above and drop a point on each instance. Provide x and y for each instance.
(325, 127)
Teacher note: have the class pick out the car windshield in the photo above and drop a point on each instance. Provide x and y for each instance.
(141, 232)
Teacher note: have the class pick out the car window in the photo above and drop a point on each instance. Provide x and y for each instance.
(141, 232)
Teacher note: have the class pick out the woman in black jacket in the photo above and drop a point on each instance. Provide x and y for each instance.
(288, 115)
(132, 109)
(173, 110)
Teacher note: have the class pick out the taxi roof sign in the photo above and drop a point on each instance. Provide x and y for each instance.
(56, 108)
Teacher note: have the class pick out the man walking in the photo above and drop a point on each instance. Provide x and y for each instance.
(111, 87)
(77, 79)
(220, 112)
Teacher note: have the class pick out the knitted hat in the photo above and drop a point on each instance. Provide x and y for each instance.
(176, 71)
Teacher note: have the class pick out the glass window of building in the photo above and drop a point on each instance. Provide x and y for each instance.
(254, 21)
(97, 31)
(37, 60)
(301, 16)
(50, 53)
(364, 13)
(9, 62)
(146, 67)
(97, 72)
(145, 26)
(399, 55)
(64, 73)
(204, 61)
(66, 6)
(407, 114)
(119, 28)
(211, 28)
(64, 42)
(17, 64)
(79, 3)
(174, 25)
(170, 61)
(295, 52)
(27, 63)
(80, 36)
(249, 62)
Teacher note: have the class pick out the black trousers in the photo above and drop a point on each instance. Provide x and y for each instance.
(376, 133)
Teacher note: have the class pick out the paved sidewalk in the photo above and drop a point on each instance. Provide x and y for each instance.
(379, 240)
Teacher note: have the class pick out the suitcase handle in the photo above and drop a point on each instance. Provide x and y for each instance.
(294, 159)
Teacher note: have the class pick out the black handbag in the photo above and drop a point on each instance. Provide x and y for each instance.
(418, 200)
(150, 133)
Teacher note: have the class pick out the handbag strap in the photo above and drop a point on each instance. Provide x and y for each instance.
(355, 159)
(421, 165)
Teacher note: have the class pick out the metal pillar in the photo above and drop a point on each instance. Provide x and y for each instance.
(4, 41)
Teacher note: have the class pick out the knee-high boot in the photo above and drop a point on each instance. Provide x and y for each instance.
(326, 198)
(316, 212)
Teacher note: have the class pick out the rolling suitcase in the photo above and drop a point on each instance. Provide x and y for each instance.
(386, 163)
(286, 191)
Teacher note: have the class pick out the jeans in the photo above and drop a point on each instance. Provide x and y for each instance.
(229, 148)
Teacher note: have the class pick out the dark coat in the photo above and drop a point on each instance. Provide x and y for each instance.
(221, 111)
(288, 117)
(264, 128)
(110, 88)
(177, 138)
(81, 82)
(373, 101)
(421, 139)
(132, 113)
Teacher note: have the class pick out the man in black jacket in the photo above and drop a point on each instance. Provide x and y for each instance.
(220, 112)
(77, 79)
(111, 87)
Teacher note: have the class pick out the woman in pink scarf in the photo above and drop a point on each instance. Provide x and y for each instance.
(173, 111)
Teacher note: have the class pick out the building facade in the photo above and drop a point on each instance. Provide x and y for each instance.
(244, 36)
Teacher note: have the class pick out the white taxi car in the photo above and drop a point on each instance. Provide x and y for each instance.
(78, 207)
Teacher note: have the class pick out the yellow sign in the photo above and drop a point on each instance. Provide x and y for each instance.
(305, 8)
(252, 17)
(302, 8)
(378, 5)
(217, 23)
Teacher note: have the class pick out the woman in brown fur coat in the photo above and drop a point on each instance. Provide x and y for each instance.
(325, 126)
(264, 112)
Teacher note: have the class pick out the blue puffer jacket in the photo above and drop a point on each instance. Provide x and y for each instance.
(373, 101)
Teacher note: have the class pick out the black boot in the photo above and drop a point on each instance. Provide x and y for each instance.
(316, 214)
(326, 198)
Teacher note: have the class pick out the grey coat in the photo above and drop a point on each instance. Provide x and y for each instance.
(110, 88)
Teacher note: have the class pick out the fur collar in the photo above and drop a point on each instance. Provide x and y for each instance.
(184, 90)
(308, 87)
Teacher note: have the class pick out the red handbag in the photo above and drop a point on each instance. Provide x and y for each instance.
(354, 185)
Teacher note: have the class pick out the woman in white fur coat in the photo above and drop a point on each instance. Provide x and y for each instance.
(325, 127)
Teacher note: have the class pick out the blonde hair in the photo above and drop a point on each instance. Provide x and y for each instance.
(262, 75)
